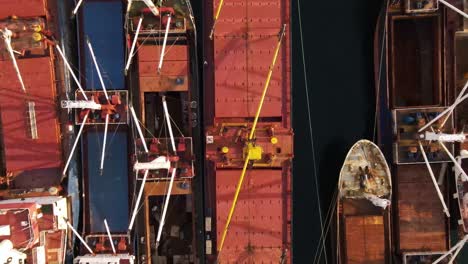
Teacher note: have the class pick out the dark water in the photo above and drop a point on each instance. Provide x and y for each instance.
(338, 42)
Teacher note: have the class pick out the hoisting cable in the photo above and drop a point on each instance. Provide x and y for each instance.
(310, 128)
(250, 144)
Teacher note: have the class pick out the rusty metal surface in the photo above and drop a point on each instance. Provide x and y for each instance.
(21, 151)
(365, 159)
(22, 8)
(421, 220)
(365, 236)
(256, 232)
(174, 72)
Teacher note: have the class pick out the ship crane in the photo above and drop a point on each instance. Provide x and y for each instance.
(7, 35)
(167, 12)
(148, 3)
(454, 250)
(108, 101)
(161, 162)
(91, 104)
(80, 104)
(440, 137)
(166, 33)
(158, 163)
(140, 192)
(132, 49)
(77, 6)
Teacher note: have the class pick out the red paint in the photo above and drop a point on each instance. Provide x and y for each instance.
(21, 151)
(238, 60)
(22, 8)
(22, 220)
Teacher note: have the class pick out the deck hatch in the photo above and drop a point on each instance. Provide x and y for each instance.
(415, 57)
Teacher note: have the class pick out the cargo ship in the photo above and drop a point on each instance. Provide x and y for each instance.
(248, 133)
(364, 199)
(415, 92)
(34, 206)
(162, 73)
(99, 108)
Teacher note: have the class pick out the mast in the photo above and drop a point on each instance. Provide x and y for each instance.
(171, 182)
(101, 168)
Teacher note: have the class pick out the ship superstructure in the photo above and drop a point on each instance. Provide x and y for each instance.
(248, 135)
(162, 70)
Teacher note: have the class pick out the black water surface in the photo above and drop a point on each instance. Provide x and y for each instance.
(338, 42)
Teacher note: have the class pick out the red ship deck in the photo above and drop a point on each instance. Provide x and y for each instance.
(22, 153)
(242, 50)
(22, 8)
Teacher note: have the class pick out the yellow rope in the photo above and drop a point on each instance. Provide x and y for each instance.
(267, 84)
(247, 159)
(234, 203)
(218, 11)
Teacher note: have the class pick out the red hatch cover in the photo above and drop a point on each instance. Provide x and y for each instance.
(245, 40)
(22, 8)
(256, 230)
(22, 151)
(174, 72)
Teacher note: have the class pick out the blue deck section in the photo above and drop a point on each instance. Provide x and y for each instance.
(107, 193)
(102, 22)
(103, 25)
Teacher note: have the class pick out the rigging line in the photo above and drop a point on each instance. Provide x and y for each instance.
(162, 127)
(113, 134)
(175, 124)
(377, 96)
(328, 220)
(314, 163)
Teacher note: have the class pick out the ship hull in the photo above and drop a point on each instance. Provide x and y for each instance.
(238, 57)
(413, 62)
(364, 227)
